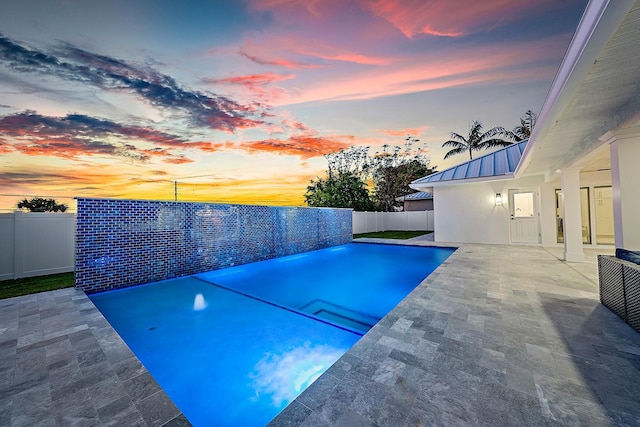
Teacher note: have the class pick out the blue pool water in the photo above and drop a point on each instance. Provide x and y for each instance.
(235, 346)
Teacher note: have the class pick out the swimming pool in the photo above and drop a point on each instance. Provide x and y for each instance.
(235, 346)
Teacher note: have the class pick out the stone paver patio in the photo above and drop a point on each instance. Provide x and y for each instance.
(498, 335)
(62, 364)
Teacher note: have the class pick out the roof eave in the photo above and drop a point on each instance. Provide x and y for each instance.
(599, 21)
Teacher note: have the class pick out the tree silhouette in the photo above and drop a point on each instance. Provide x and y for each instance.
(39, 204)
(344, 190)
(476, 140)
(523, 131)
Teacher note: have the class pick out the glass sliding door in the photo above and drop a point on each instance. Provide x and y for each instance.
(584, 215)
(559, 215)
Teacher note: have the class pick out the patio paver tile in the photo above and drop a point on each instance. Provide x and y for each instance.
(497, 335)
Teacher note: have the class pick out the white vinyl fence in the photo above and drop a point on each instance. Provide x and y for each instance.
(35, 244)
(367, 222)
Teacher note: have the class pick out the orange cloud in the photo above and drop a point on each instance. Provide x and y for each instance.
(205, 146)
(178, 160)
(5, 148)
(301, 145)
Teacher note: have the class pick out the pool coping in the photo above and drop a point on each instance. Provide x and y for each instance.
(61, 362)
(497, 335)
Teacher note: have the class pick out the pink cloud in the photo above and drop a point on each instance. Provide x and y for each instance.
(263, 60)
(257, 85)
(317, 49)
(404, 132)
(253, 79)
(430, 72)
(310, 53)
(441, 18)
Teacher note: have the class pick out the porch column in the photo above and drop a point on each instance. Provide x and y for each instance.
(572, 224)
(624, 147)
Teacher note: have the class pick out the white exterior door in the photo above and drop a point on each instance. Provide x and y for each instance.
(523, 205)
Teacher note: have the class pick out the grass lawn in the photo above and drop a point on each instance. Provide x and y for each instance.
(31, 285)
(402, 235)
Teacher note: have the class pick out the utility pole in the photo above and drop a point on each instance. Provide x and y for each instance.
(175, 184)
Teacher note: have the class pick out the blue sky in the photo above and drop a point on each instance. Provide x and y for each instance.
(240, 100)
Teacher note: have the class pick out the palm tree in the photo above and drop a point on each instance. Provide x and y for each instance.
(523, 131)
(476, 140)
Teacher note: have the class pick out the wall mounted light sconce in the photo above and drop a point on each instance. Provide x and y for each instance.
(498, 199)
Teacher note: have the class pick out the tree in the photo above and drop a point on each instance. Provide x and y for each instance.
(393, 182)
(341, 190)
(476, 140)
(350, 169)
(394, 169)
(354, 160)
(523, 131)
(39, 204)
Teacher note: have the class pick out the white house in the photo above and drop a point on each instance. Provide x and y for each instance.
(576, 181)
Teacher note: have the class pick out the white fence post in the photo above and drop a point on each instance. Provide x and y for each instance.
(18, 244)
(7, 244)
(36, 244)
(368, 222)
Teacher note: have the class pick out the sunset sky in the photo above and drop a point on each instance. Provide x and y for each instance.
(239, 100)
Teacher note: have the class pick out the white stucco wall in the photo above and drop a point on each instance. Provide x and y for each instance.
(468, 213)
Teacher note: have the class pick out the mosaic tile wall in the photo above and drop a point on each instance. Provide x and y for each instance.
(121, 243)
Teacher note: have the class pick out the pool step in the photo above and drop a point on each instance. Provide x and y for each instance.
(341, 315)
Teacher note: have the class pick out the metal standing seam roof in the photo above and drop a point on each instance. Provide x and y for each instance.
(498, 163)
(420, 195)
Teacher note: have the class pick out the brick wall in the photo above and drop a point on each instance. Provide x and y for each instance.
(121, 243)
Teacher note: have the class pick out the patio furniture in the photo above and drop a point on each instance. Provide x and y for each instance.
(620, 285)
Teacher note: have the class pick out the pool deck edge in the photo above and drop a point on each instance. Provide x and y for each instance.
(497, 335)
(61, 363)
